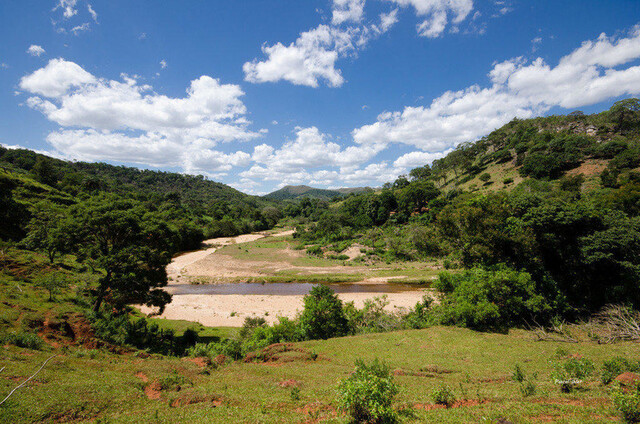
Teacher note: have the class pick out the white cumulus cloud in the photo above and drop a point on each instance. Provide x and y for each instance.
(593, 73)
(35, 50)
(127, 121)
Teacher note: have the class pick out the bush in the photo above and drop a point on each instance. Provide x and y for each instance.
(323, 316)
(443, 395)
(627, 404)
(488, 300)
(22, 339)
(572, 373)
(507, 181)
(485, 177)
(616, 366)
(527, 388)
(367, 394)
(314, 250)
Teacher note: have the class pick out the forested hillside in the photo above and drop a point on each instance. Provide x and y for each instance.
(542, 214)
(210, 208)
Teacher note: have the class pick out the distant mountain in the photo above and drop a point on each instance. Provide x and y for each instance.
(295, 192)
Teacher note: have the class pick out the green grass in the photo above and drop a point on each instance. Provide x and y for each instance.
(84, 384)
(477, 366)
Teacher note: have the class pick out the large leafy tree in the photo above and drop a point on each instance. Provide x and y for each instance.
(323, 316)
(48, 229)
(129, 246)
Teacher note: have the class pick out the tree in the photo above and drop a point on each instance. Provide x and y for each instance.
(323, 316)
(44, 171)
(48, 229)
(12, 213)
(421, 173)
(625, 113)
(130, 247)
(53, 283)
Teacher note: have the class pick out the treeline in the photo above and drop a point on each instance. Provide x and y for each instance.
(548, 248)
(122, 223)
(218, 210)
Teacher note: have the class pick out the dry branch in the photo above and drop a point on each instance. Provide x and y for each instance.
(28, 379)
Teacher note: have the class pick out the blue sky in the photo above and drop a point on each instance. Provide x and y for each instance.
(331, 93)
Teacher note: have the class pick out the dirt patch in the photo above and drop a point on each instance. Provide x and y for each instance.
(434, 369)
(401, 372)
(153, 390)
(185, 400)
(589, 167)
(459, 404)
(201, 362)
(142, 376)
(353, 251)
(290, 383)
(628, 379)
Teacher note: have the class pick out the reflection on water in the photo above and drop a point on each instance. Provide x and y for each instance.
(288, 289)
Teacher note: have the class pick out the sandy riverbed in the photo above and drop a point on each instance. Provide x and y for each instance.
(230, 309)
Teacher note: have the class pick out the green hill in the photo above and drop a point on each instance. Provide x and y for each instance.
(296, 192)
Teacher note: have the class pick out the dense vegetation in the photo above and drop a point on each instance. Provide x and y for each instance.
(566, 243)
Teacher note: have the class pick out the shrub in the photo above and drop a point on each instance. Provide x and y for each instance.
(507, 181)
(367, 394)
(443, 395)
(616, 366)
(314, 250)
(485, 177)
(323, 316)
(488, 300)
(527, 388)
(627, 404)
(518, 374)
(572, 373)
(22, 339)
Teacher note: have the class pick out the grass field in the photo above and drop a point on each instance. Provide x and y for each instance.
(292, 383)
(81, 386)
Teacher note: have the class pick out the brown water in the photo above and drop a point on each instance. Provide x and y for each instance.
(289, 289)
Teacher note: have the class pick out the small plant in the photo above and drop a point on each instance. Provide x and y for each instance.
(295, 394)
(314, 251)
(572, 373)
(443, 395)
(368, 392)
(527, 388)
(174, 381)
(518, 374)
(561, 353)
(627, 403)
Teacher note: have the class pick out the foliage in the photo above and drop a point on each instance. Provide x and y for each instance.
(571, 373)
(627, 403)
(53, 282)
(488, 300)
(613, 367)
(367, 394)
(323, 316)
(22, 339)
(443, 395)
(138, 332)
